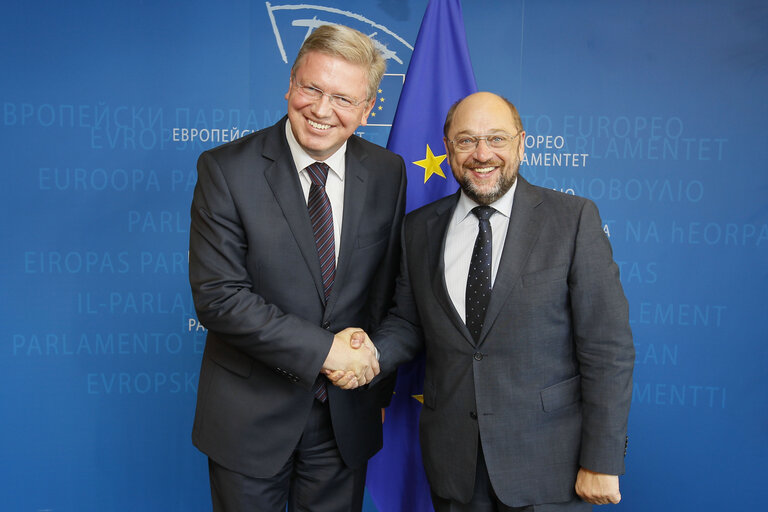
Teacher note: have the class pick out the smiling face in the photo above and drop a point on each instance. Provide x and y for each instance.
(484, 174)
(319, 126)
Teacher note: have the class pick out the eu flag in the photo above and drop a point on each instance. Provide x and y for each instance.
(439, 74)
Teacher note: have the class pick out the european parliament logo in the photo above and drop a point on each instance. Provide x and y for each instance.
(304, 18)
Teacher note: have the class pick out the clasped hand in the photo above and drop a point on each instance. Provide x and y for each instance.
(351, 362)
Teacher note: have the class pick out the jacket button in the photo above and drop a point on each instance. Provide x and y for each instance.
(478, 356)
(327, 325)
(473, 415)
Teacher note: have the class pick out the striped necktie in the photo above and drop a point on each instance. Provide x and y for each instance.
(321, 217)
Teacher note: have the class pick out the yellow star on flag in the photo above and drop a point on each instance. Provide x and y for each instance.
(431, 164)
(418, 398)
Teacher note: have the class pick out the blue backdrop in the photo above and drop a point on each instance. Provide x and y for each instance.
(656, 110)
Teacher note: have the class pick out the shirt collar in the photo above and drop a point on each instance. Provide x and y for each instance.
(502, 205)
(301, 159)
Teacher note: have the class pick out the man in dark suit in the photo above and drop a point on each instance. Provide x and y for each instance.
(295, 235)
(512, 292)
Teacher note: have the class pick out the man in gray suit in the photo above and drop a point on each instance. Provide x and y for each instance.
(295, 235)
(512, 292)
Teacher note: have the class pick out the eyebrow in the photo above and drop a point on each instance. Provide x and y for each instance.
(492, 131)
(313, 84)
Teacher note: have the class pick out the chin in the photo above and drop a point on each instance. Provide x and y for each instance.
(488, 194)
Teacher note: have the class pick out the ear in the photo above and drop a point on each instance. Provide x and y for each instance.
(367, 112)
(521, 147)
(290, 83)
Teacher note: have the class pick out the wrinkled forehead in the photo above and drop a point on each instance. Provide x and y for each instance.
(332, 72)
(482, 116)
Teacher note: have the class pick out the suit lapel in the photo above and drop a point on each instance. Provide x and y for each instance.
(355, 190)
(522, 233)
(283, 179)
(437, 229)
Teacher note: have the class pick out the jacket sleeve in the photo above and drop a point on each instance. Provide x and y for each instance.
(604, 346)
(400, 337)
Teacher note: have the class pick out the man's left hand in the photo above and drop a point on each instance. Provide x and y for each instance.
(597, 488)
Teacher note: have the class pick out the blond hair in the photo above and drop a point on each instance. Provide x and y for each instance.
(348, 44)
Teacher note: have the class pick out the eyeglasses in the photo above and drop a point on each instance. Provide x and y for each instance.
(336, 100)
(467, 143)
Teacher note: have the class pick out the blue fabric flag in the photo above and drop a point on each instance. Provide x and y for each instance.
(439, 74)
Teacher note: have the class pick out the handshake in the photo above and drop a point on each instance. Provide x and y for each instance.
(352, 361)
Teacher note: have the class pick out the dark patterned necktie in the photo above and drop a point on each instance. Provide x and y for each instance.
(479, 278)
(321, 217)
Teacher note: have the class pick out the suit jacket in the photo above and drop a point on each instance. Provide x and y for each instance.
(547, 388)
(256, 285)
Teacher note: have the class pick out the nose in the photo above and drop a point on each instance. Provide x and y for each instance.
(483, 151)
(321, 107)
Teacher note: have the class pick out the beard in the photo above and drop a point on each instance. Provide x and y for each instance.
(502, 186)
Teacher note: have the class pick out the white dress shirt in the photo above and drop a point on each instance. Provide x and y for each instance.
(334, 186)
(460, 241)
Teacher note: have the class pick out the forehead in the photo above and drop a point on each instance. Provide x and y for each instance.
(482, 115)
(332, 74)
